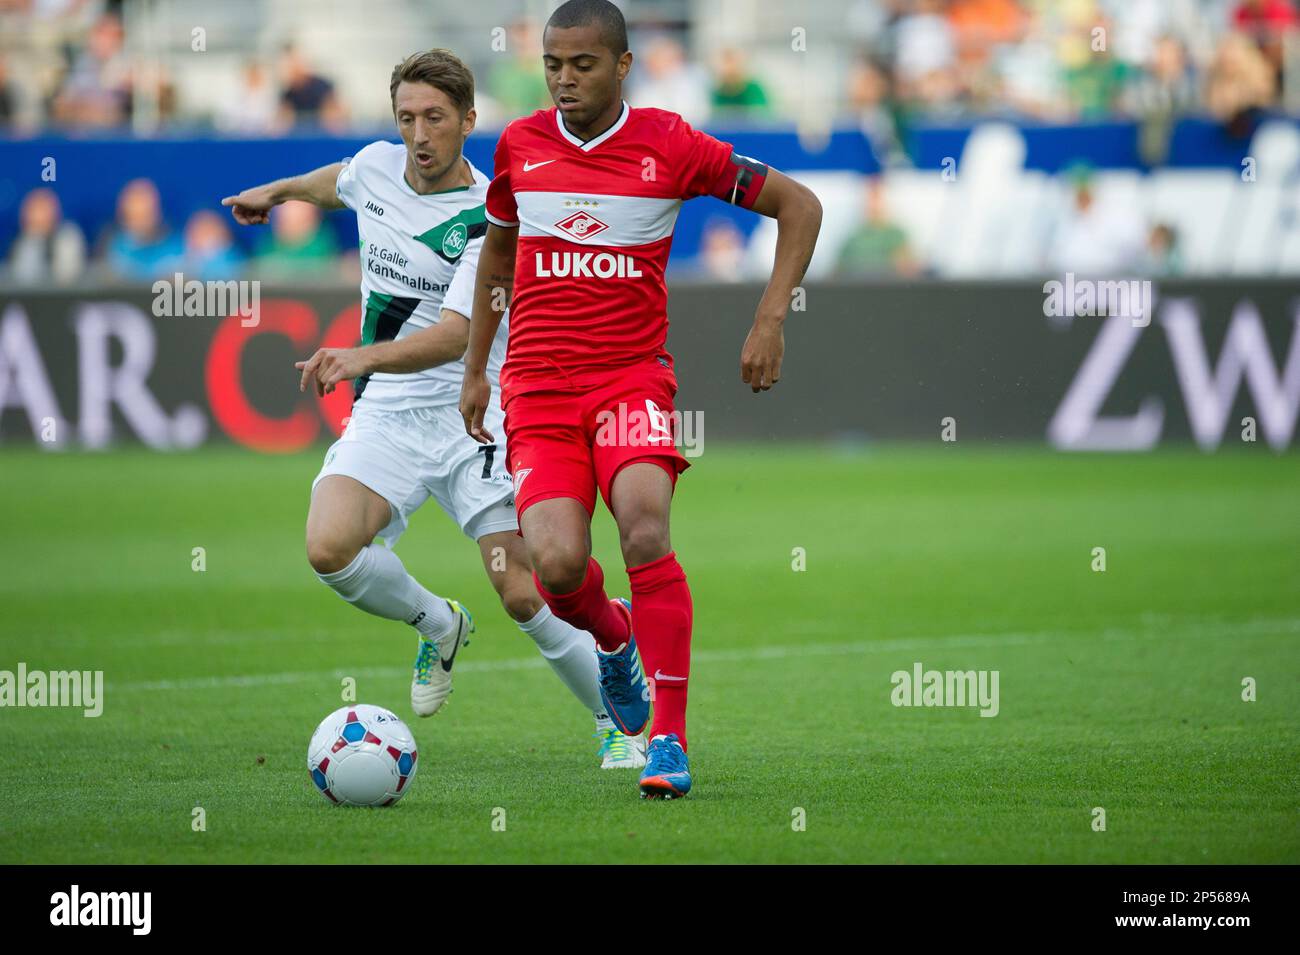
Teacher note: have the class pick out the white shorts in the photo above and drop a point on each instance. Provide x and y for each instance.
(406, 457)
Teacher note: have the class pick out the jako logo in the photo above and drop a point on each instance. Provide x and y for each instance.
(103, 908)
(599, 265)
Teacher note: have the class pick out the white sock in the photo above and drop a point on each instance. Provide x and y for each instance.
(572, 655)
(377, 582)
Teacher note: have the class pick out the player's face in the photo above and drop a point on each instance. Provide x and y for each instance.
(432, 129)
(583, 74)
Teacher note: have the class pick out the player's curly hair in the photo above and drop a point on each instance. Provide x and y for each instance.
(441, 69)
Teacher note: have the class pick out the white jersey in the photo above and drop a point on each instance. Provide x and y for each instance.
(418, 257)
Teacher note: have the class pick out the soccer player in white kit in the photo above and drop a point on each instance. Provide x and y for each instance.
(420, 215)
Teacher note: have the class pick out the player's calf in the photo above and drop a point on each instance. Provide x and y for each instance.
(568, 651)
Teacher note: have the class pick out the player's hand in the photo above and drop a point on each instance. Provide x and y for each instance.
(252, 206)
(760, 359)
(475, 392)
(329, 366)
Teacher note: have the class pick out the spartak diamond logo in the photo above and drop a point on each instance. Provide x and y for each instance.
(581, 225)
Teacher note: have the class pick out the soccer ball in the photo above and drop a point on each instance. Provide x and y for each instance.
(362, 755)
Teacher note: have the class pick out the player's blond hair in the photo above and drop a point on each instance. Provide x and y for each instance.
(441, 69)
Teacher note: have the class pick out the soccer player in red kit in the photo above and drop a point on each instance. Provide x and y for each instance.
(581, 213)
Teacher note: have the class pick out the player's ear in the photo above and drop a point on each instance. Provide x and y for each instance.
(467, 124)
(624, 65)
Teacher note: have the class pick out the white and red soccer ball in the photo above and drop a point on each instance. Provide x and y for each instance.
(362, 755)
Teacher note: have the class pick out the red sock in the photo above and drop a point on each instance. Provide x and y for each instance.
(661, 620)
(587, 608)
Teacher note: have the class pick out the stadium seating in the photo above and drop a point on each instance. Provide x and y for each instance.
(995, 217)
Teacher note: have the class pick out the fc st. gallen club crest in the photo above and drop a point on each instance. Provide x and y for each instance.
(453, 243)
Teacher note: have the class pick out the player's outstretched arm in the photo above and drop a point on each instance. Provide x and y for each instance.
(492, 287)
(253, 206)
(798, 215)
(427, 348)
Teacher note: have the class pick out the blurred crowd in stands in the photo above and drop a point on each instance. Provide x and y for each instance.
(141, 245)
(1153, 61)
(1074, 60)
(1087, 237)
(90, 81)
(1049, 59)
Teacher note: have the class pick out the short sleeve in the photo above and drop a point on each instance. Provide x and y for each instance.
(345, 187)
(460, 291)
(704, 161)
(348, 185)
(710, 167)
(501, 208)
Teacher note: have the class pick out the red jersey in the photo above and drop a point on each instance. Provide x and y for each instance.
(595, 226)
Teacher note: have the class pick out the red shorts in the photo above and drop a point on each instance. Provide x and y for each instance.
(568, 443)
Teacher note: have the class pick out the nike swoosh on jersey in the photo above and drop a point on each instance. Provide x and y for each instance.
(530, 168)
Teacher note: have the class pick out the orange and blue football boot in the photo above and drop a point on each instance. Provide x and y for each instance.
(667, 774)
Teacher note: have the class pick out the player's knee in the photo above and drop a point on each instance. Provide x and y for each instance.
(329, 555)
(521, 600)
(643, 540)
(561, 569)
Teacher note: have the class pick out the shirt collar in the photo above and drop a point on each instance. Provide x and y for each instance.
(591, 144)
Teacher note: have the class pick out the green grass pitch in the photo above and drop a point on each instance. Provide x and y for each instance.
(1119, 689)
